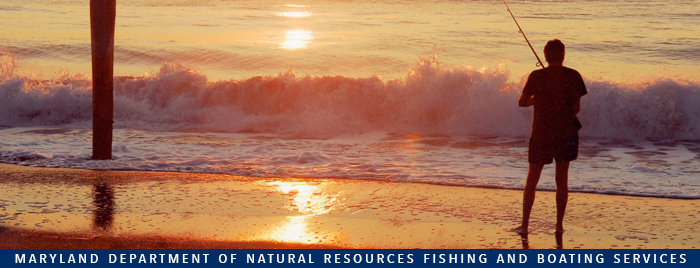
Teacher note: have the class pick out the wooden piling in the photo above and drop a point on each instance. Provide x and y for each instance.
(102, 19)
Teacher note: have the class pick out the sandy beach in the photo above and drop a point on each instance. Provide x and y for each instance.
(67, 208)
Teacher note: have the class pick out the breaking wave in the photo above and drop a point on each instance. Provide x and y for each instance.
(430, 98)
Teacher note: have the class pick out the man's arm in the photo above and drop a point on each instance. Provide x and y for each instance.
(581, 91)
(526, 101)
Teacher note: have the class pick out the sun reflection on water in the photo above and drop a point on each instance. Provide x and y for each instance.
(296, 39)
(310, 201)
(294, 14)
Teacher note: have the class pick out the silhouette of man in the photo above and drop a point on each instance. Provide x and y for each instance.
(556, 93)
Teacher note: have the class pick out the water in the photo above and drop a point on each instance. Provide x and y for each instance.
(422, 91)
(234, 39)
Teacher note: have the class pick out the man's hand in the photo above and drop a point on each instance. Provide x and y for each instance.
(526, 101)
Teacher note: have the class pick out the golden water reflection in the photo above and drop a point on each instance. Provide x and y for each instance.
(310, 201)
(294, 14)
(296, 39)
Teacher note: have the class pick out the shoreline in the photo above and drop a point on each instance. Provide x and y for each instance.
(135, 209)
(193, 176)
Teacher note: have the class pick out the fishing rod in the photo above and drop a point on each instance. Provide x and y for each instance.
(539, 62)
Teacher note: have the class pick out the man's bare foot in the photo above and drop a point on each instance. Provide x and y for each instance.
(520, 230)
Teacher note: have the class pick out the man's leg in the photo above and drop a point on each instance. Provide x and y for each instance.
(562, 179)
(533, 177)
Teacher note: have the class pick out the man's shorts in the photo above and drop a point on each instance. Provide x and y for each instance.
(543, 151)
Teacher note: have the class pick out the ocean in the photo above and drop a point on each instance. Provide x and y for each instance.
(413, 91)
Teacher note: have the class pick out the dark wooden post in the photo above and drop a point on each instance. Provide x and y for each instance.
(102, 16)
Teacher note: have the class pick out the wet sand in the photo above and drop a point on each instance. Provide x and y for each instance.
(65, 208)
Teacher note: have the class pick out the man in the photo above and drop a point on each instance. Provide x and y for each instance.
(556, 93)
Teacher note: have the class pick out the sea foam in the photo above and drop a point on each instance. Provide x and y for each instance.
(429, 99)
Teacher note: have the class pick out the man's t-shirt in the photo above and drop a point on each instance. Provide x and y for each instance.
(556, 90)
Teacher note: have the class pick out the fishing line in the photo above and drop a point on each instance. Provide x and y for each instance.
(539, 62)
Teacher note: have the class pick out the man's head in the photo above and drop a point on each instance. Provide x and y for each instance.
(554, 51)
